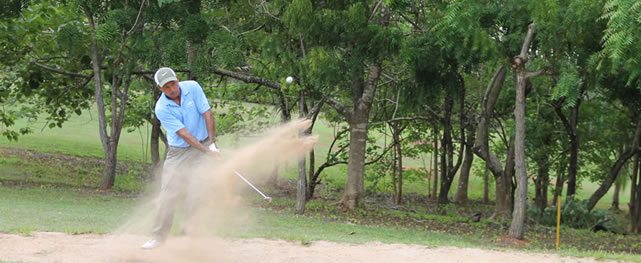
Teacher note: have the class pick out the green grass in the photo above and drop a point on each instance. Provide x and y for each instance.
(25, 210)
(281, 225)
(79, 137)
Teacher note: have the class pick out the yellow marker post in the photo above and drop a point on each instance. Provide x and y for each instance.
(558, 222)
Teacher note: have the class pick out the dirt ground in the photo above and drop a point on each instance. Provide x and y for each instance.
(60, 247)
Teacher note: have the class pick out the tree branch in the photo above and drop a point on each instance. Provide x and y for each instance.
(247, 78)
(374, 72)
(535, 73)
(60, 71)
(340, 108)
(411, 22)
(142, 7)
(526, 42)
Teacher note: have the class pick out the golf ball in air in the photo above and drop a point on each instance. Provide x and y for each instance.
(289, 80)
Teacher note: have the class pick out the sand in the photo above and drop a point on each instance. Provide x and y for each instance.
(60, 247)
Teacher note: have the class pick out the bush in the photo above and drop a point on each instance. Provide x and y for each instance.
(574, 213)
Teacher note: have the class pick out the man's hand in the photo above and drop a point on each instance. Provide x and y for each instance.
(213, 151)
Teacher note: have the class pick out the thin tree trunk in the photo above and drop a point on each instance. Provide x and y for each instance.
(312, 167)
(446, 143)
(461, 193)
(452, 168)
(301, 196)
(435, 156)
(616, 169)
(570, 129)
(398, 163)
(505, 198)
(558, 186)
(108, 173)
(517, 228)
(635, 206)
(481, 143)
(541, 183)
(154, 143)
(633, 179)
(486, 185)
(615, 196)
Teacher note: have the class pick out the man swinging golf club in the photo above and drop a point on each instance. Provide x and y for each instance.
(184, 112)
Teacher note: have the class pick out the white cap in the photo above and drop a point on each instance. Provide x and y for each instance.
(164, 75)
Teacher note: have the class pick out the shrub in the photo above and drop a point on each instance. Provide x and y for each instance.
(574, 213)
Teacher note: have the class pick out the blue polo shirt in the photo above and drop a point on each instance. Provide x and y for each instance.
(189, 114)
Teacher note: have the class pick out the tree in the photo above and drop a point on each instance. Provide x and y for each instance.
(620, 49)
(347, 44)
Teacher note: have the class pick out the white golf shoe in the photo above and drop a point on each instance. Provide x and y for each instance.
(151, 244)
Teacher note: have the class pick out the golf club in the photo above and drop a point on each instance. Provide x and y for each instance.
(265, 197)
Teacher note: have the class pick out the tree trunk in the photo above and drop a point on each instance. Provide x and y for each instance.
(301, 196)
(502, 207)
(570, 129)
(446, 144)
(154, 143)
(109, 171)
(358, 123)
(451, 168)
(312, 166)
(635, 200)
(518, 215)
(616, 169)
(635, 205)
(354, 189)
(486, 185)
(398, 164)
(541, 183)
(615, 196)
(461, 193)
(505, 198)
(517, 228)
(435, 155)
(481, 143)
(574, 154)
(633, 179)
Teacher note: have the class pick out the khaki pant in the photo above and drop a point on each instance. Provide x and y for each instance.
(177, 178)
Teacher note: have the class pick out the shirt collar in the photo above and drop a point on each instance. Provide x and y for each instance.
(169, 102)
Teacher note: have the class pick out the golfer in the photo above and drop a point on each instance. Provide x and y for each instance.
(184, 113)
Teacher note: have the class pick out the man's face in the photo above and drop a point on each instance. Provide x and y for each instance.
(171, 89)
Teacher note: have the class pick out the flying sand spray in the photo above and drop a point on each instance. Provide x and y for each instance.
(265, 197)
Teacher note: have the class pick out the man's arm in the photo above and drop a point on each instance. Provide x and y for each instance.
(191, 140)
(210, 122)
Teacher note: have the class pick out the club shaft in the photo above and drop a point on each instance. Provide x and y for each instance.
(250, 184)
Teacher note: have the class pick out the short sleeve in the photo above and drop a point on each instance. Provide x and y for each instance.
(200, 99)
(169, 121)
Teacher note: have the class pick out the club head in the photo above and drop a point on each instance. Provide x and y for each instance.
(268, 199)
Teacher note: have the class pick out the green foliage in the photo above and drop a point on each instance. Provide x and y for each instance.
(574, 213)
(72, 37)
(299, 17)
(568, 87)
(622, 36)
